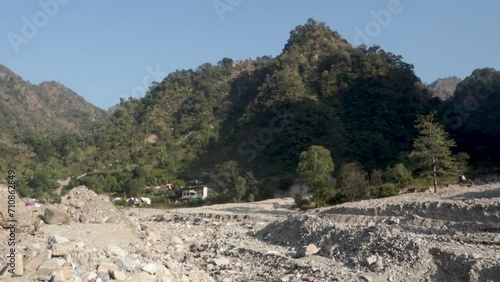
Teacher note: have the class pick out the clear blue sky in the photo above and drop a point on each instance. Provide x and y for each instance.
(102, 49)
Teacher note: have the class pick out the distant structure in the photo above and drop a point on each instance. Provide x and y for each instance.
(139, 201)
(194, 192)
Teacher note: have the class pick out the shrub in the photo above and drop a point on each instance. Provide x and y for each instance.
(251, 198)
(399, 174)
(388, 190)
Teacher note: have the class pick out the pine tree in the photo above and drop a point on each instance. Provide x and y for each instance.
(431, 153)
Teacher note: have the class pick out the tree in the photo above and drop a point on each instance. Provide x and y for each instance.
(352, 182)
(431, 153)
(315, 169)
(398, 174)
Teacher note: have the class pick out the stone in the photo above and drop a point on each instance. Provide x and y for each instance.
(47, 267)
(63, 249)
(221, 261)
(153, 236)
(53, 216)
(45, 254)
(44, 277)
(365, 278)
(106, 266)
(78, 204)
(371, 260)
(56, 239)
(306, 251)
(92, 276)
(117, 275)
(115, 251)
(176, 241)
(80, 245)
(63, 275)
(150, 268)
(113, 219)
(163, 274)
(83, 218)
(32, 263)
(173, 265)
(126, 263)
(141, 276)
(103, 276)
(395, 231)
(143, 227)
(309, 278)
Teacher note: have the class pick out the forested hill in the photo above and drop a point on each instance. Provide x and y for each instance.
(47, 108)
(359, 102)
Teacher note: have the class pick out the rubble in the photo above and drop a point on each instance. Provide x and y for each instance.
(391, 239)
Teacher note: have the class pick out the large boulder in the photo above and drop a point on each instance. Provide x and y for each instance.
(53, 216)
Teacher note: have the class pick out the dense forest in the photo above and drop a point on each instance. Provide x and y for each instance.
(242, 126)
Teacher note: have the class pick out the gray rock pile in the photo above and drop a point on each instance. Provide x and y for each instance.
(85, 206)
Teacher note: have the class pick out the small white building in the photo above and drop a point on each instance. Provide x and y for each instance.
(194, 192)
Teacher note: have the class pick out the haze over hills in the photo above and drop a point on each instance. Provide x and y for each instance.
(47, 108)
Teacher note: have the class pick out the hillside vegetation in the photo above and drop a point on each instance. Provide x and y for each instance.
(240, 126)
(36, 118)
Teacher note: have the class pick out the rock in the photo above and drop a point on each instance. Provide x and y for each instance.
(141, 276)
(365, 278)
(153, 236)
(113, 219)
(63, 275)
(80, 245)
(143, 227)
(44, 277)
(176, 241)
(78, 204)
(52, 216)
(102, 276)
(126, 263)
(83, 218)
(47, 267)
(395, 231)
(150, 268)
(63, 249)
(306, 251)
(115, 251)
(106, 266)
(173, 265)
(163, 274)
(56, 239)
(309, 278)
(117, 275)
(371, 260)
(221, 261)
(32, 263)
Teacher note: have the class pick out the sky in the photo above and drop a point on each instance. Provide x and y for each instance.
(107, 50)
